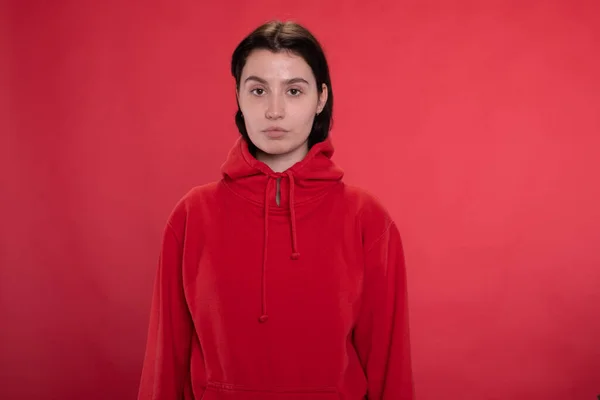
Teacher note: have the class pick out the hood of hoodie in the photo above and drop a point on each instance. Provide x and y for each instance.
(280, 192)
(312, 176)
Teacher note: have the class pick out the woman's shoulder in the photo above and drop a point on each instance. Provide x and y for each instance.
(370, 211)
(364, 200)
(197, 200)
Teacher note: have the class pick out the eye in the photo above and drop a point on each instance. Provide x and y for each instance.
(258, 91)
(295, 92)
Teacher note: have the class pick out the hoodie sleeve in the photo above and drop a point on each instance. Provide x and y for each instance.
(166, 371)
(381, 335)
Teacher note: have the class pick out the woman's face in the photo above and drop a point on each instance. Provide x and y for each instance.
(279, 100)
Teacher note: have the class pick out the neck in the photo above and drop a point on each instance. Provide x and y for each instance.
(283, 162)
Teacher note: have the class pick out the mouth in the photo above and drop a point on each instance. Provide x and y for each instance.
(275, 129)
(275, 132)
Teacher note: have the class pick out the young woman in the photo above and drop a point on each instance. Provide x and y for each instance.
(279, 281)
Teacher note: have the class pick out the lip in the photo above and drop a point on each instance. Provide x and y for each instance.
(275, 129)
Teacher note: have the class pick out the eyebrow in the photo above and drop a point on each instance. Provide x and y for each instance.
(287, 81)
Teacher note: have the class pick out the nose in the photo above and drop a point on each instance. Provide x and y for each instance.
(275, 108)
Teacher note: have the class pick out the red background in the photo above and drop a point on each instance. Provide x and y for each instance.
(477, 124)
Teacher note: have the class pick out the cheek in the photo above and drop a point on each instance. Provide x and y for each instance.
(252, 113)
(302, 114)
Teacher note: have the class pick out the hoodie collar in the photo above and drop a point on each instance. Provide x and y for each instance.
(280, 192)
(312, 176)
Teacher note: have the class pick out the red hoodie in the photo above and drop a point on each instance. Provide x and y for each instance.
(279, 286)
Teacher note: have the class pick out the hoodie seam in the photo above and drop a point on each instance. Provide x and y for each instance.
(228, 387)
(172, 230)
(224, 182)
(299, 203)
(180, 247)
(380, 237)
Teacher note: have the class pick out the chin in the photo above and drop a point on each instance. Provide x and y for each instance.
(277, 147)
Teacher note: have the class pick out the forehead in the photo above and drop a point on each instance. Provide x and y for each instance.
(276, 66)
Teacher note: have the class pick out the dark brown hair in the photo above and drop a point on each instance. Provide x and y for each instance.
(278, 36)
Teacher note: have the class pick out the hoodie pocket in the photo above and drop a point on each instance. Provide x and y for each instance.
(222, 392)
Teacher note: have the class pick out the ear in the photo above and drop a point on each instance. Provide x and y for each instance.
(323, 96)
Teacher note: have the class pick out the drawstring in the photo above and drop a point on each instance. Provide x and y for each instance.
(264, 316)
(295, 254)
